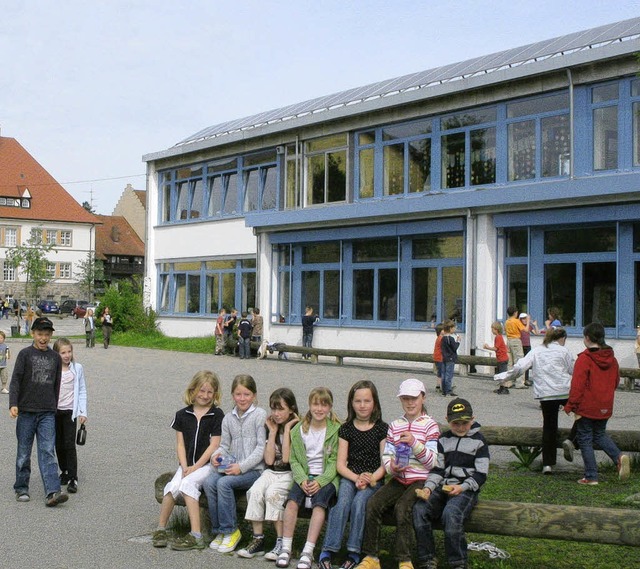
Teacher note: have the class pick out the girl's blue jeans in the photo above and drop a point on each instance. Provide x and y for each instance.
(591, 432)
(219, 489)
(352, 506)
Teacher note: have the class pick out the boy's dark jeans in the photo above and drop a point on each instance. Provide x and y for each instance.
(452, 511)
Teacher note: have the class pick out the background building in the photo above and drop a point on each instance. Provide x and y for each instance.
(30, 198)
(511, 178)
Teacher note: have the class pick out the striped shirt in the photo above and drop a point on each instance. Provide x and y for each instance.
(424, 451)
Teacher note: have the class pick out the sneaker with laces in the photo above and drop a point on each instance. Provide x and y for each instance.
(72, 487)
(369, 562)
(55, 498)
(4, 391)
(188, 542)
(254, 549)
(568, 449)
(587, 482)
(624, 467)
(22, 497)
(230, 541)
(277, 550)
(160, 538)
(215, 544)
(405, 565)
(502, 390)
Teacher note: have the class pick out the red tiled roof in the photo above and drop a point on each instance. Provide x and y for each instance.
(49, 200)
(116, 237)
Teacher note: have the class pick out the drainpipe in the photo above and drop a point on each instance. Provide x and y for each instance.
(571, 137)
(471, 310)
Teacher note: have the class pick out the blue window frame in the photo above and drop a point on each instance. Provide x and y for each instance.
(400, 281)
(590, 270)
(201, 288)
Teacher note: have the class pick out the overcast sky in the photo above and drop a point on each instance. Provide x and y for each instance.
(89, 87)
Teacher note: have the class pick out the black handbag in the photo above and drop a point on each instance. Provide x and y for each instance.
(81, 436)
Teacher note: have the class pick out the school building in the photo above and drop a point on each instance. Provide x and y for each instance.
(509, 179)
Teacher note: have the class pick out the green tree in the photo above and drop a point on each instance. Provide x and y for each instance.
(31, 260)
(125, 304)
(90, 271)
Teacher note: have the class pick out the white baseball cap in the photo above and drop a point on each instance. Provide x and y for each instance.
(411, 387)
(523, 315)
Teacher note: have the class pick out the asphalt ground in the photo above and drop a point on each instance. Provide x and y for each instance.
(133, 395)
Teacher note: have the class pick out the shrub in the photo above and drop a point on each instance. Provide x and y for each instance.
(127, 310)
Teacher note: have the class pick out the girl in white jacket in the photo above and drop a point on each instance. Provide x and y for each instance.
(551, 367)
(72, 408)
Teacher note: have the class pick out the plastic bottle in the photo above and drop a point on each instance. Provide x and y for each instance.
(403, 452)
(307, 501)
(224, 461)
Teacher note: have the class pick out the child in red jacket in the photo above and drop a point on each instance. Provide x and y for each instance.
(595, 379)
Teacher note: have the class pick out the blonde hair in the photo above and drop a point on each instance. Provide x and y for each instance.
(321, 395)
(198, 380)
(497, 326)
(60, 343)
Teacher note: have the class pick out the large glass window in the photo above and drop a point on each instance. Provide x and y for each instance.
(181, 290)
(539, 146)
(360, 282)
(605, 126)
(469, 157)
(260, 181)
(326, 169)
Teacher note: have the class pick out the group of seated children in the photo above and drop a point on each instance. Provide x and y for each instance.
(356, 471)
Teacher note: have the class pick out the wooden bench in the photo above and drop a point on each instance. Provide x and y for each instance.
(540, 521)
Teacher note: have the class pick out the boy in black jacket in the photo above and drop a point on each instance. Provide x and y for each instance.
(451, 489)
(33, 400)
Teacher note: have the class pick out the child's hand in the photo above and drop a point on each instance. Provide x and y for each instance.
(188, 470)
(452, 489)
(292, 423)
(271, 424)
(233, 470)
(423, 493)
(407, 437)
(395, 469)
(82, 420)
(13, 411)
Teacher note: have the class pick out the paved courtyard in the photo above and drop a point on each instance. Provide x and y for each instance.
(133, 394)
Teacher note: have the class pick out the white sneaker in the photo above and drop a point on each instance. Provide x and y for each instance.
(215, 544)
(546, 470)
(4, 390)
(273, 554)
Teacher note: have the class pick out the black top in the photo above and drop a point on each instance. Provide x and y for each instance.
(229, 324)
(364, 446)
(197, 435)
(307, 324)
(35, 383)
(244, 328)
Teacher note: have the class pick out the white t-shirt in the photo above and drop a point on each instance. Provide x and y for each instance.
(65, 400)
(314, 443)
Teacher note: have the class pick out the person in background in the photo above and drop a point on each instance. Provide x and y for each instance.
(90, 328)
(257, 326)
(449, 346)
(437, 355)
(228, 327)
(5, 354)
(499, 347)
(219, 332)
(28, 319)
(514, 327)
(244, 337)
(107, 326)
(525, 336)
(553, 318)
(596, 376)
(551, 367)
(309, 320)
